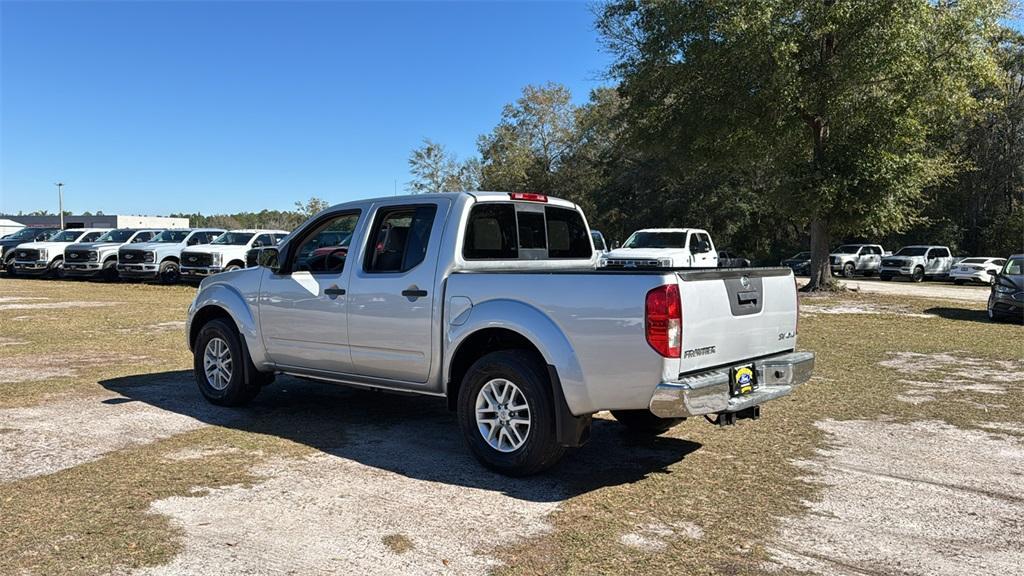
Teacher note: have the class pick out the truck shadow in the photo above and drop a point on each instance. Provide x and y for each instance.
(413, 436)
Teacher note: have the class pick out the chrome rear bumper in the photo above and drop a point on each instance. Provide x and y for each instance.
(708, 392)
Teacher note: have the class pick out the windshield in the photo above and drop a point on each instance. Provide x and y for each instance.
(656, 240)
(848, 249)
(171, 236)
(67, 236)
(1014, 267)
(912, 251)
(234, 238)
(801, 256)
(28, 234)
(121, 236)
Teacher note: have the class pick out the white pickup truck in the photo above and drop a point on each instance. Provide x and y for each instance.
(664, 248)
(493, 301)
(226, 253)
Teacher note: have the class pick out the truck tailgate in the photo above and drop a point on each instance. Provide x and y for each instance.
(733, 315)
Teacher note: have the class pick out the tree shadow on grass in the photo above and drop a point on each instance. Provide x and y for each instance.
(960, 314)
(410, 435)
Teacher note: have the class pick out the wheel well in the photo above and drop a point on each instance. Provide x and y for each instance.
(109, 258)
(475, 347)
(204, 315)
(171, 259)
(236, 262)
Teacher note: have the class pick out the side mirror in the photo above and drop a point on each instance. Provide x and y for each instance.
(268, 258)
(993, 272)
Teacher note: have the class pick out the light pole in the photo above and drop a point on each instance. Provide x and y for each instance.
(60, 199)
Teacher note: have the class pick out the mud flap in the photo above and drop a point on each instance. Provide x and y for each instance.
(570, 431)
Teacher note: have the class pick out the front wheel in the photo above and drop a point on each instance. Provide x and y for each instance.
(507, 414)
(848, 270)
(644, 422)
(169, 273)
(232, 267)
(221, 367)
(885, 277)
(56, 269)
(958, 282)
(109, 272)
(918, 274)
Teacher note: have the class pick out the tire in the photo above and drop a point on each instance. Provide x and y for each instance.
(643, 422)
(169, 272)
(992, 314)
(238, 386)
(11, 270)
(232, 267)
(56, 269)
(539, 449)
(884, 277)
(109, 271)
(848, 270)
(917, 275)
(958, 282)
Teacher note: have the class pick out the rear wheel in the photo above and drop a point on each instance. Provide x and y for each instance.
(223, 371)
(507, 414)
(644, 422)
(169, 272)
(848, 270)
(918, 274)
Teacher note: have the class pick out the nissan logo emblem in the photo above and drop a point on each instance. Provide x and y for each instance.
(745, 281)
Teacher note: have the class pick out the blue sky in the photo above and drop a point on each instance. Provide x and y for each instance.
(152, 108)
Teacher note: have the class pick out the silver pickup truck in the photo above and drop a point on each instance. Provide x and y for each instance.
(494, 302)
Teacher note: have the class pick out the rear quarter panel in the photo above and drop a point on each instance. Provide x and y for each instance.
(590, 326)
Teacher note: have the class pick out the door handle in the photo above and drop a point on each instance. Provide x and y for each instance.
(414, 293)
(334, 291)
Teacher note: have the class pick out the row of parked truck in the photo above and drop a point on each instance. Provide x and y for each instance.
(916, 263)
(147, 254)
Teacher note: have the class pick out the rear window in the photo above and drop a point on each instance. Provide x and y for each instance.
(497, 231)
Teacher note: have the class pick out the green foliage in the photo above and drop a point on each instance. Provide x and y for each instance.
(434, 170)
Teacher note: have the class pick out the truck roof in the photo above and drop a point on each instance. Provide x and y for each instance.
(479, 196)
(671, 230)
(258, 231)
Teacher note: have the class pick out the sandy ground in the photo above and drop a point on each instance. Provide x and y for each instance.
(924, 498)
(931, 289)
(49, 437)
(928, 375)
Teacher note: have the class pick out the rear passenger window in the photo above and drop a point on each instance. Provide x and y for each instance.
(399, 238)
(498, 231)
(491, 233)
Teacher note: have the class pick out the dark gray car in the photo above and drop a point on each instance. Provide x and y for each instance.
(23, 236)
(1007, 298)
(799, 263)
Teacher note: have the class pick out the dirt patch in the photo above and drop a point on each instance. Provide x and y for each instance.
(327, 514)
(47, 438)
(197, 453)
(655, 537)
(940, 373)
(926, 497)
(57, 305)
(8, 299)
(32, 368)
(11, 342)
(861, 308)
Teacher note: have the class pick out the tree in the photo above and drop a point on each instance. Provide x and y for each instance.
(831, 108)
(525, 150)
(311, 207)
(435, 170)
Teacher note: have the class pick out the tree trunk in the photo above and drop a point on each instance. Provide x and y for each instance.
(819, 270)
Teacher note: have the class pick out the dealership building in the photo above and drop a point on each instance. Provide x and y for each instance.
(99, 221)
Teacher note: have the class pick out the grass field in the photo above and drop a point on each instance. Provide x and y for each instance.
(904, 455)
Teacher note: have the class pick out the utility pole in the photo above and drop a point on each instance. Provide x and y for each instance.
(60, 200)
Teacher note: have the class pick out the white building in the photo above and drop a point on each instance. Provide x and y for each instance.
(99, 221)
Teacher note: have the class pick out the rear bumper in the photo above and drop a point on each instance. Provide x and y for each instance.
(708, 392)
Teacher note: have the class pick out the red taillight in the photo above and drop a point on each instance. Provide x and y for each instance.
(528, 196)
(664, 320)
